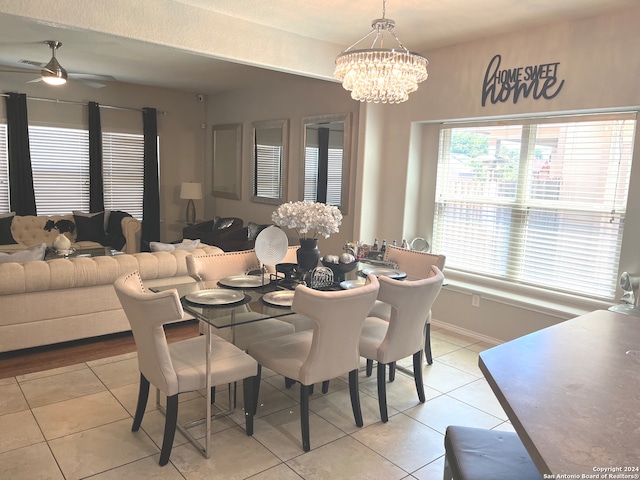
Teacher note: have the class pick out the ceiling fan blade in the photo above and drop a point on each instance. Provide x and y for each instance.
(32, 63)
(92, 76)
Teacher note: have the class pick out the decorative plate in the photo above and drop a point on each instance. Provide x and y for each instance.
(215, 296)
(349, 284)
(271, 245)
(244, 281)
(383, 271)
(420, 244)
(281, 298)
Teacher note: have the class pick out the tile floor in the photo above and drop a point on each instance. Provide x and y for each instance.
(75, 422)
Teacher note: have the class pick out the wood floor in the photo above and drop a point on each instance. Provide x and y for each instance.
(31, 360)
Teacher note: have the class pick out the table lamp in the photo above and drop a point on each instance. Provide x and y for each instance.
(191, 191)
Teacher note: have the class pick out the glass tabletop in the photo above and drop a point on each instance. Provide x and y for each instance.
(265, 302)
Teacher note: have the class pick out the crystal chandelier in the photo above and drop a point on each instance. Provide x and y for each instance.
(378, 74)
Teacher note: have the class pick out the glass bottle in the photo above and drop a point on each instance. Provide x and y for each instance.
(375, 245)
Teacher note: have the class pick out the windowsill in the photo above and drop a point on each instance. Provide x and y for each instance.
(560, 305)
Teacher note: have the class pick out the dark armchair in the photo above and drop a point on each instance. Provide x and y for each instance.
(225, 233)
(221, 232)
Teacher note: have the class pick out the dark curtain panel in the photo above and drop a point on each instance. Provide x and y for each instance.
(323, 164)
(96, 190)
(151, 197)
(23, 200)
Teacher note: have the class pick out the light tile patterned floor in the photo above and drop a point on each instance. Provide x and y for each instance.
(75, 422)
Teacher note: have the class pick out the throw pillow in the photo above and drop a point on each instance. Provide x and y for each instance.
(30, 254)
(170, 247)
(107, 214)
(6, 238)
(253, 229)
(90, 228)
(224, 223)
(214, 225)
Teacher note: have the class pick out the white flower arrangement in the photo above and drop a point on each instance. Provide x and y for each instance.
(308, 219)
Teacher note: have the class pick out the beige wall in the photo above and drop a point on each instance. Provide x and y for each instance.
(181, 136)
(600, 63)
(293, 100)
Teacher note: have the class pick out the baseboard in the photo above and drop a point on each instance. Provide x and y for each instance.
(465, 332)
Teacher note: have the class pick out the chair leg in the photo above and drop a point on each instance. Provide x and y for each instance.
(447, 475)
(249, 384)
(213, 395)
(170, 422)
(354, 391)
(304, 416)
(256, 389)
(325, 386)
(417, 374)
(369, 368)
(382, 392)
(288, 382)
(392, 371)
(427, 344)
(143, 396)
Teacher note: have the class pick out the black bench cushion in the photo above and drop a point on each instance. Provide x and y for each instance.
(479, 454)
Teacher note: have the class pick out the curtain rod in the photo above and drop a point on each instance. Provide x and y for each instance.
(69, 102)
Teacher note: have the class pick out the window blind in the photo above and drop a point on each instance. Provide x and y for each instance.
(536, 202)
(60, 165)
(123, 172)
(4, 170)
(267, 182)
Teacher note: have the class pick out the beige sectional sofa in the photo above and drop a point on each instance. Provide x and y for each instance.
(45, 302)
(29, 230)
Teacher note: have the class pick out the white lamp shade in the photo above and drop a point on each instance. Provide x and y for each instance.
(191, 190)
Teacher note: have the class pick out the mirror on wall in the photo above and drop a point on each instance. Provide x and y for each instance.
(270, 141)
(326, 153)
(227, 161)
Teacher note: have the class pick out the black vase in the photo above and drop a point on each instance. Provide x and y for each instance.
(308, 254)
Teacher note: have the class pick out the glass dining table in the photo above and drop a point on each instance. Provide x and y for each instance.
(216, 304)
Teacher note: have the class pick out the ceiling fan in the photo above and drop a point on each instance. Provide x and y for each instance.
(55, 74)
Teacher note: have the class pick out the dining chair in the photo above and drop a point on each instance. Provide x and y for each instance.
(178, 367)
(387, 341)
(327, 351)
(416, 265)
(214, 267)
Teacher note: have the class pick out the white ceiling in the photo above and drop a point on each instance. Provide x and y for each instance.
(112, 48)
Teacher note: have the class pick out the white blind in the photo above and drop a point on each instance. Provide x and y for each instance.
(539, 203)
(123, 172)
(4, 171)
(60, 166)
(311, 174)
(267, 182)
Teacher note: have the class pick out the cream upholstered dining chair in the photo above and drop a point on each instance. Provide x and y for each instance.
(178, 367)
(212, 268)
(327, 351)
(416, 265)
(387, 341)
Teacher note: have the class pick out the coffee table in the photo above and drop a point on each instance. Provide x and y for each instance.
(84, 252)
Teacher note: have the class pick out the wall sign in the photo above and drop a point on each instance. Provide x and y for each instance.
(513, 83)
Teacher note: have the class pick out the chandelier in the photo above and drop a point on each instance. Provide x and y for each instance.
(377, 74)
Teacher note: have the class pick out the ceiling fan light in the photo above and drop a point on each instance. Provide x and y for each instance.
(53, 73)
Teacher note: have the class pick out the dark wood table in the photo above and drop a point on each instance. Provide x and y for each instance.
(572, 394)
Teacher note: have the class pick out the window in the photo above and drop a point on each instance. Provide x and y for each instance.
(326, 159)
(60, 166)
(539, 203)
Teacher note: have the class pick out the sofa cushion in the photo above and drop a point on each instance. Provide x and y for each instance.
(186, 244)
(107, 215)
(6, 238)
(223, 223)
(253, 229)
(90, 228)
(30, 254)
